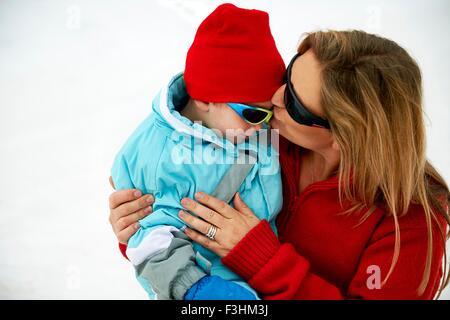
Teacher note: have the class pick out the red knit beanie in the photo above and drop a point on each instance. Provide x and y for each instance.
(233, 58)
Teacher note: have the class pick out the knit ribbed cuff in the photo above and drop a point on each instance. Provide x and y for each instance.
(253, 252)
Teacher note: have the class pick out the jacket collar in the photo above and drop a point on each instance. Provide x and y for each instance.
(170, 98)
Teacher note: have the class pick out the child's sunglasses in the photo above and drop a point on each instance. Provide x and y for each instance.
(295, 108)
(250, 114)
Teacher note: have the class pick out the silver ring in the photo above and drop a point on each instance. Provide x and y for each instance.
(211, 232)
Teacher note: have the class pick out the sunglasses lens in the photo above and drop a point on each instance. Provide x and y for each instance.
(253, 115)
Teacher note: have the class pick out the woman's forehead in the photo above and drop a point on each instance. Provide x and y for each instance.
(306, 80)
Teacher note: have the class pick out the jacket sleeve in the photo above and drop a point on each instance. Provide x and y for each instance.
(278, 271)
(172, 271)
(208, 287)
(163, 256)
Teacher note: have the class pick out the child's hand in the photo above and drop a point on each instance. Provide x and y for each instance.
(127, 207)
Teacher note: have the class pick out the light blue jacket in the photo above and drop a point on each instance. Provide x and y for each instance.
(171, 157)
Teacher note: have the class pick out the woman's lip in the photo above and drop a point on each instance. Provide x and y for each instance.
(272, 122)
(274, 115)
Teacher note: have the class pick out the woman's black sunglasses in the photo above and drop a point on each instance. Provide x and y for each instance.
(295, 108)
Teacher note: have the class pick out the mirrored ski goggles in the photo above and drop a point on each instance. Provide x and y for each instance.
(250, 114)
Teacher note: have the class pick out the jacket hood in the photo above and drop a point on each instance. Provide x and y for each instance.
(168, 104)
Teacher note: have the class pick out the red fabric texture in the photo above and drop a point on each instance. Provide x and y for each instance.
(322, 254)
(233, 58)
(123, 250)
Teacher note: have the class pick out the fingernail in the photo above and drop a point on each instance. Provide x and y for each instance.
(136, 226)
(199, 195)
(149, 199)
(181, 214)
(185, 202)
(148, 210)
(137, 193)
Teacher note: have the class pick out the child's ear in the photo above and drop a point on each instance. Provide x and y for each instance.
(202, 105)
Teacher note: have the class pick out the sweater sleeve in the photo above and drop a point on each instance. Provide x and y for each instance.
(123, 250)
(278, 271)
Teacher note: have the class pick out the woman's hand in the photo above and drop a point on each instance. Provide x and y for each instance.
(126, 208)
(232, 224)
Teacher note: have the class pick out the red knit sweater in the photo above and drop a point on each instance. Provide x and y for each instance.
(321, 254)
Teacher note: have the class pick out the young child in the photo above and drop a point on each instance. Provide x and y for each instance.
(232, 70)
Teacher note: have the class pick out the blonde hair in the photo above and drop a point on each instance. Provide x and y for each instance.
(372, 95)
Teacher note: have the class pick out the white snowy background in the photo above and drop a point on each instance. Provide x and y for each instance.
(76, 77)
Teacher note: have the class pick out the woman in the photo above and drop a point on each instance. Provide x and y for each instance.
(365, 215)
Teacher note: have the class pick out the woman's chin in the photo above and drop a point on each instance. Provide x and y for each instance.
(273, 124)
